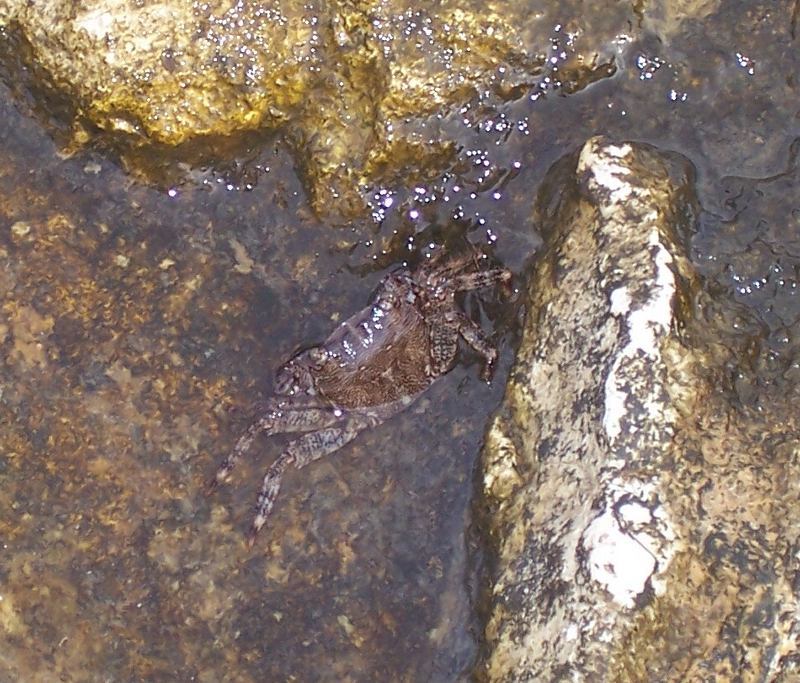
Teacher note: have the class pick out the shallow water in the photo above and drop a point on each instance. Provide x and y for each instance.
(139, 325)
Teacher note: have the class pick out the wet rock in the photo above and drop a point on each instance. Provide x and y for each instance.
(364, 87)
(168, 72)
(643, 522)
(128, 328)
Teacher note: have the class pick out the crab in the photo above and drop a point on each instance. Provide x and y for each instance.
(371, 367)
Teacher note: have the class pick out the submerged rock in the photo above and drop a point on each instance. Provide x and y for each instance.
(361, 86)
(644, 526)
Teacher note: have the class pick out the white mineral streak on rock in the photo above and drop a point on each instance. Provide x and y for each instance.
(629, 541)
(608, 173)
(649, 320)
(617, 560)
(646, 324)
(97, 22)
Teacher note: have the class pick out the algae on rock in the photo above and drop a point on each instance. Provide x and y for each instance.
(357, 84)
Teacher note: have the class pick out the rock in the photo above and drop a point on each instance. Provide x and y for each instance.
(362, 87)
(171, 71)
(643, 524)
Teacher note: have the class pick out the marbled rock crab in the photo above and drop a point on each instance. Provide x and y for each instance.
(372, 366)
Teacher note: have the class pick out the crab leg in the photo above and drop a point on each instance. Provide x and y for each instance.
(283, 417)
(444, 343)
(477, 339)
(300, 453)
(313, 446)
(482, 278)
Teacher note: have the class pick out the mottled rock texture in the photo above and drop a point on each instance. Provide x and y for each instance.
(645, 527)
(130, 324)
(362, 86)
